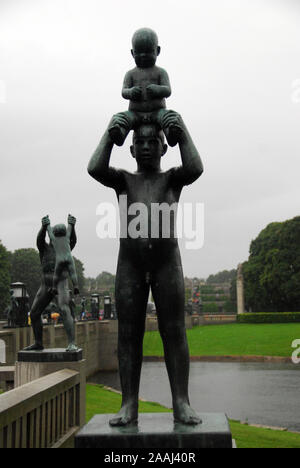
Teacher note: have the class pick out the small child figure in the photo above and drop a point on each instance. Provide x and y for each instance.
(146, 86)
(64, 263)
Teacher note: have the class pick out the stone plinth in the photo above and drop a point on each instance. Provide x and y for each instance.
(50, 355)
(32, 365)
(156, 430)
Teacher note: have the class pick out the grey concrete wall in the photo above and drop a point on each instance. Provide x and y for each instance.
(97, 339)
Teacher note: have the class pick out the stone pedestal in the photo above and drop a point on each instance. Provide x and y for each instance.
(32, 365)
(240, 290)
(156, 431)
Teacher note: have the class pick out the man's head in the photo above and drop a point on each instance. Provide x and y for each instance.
(145, 48)
(59, 230)
(148, 146)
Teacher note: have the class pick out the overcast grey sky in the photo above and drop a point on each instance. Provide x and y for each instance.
(233, 67)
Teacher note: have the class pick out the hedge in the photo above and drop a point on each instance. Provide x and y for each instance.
(213, 298)
(283, 317)
(210, 308)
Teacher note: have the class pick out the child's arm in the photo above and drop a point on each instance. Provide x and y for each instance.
(192, 166)
(130, 92)
(99, 167)
(161, 90)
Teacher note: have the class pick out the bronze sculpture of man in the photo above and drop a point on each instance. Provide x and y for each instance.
(150, 262)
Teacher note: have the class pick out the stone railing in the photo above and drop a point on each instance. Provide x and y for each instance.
(44, 413)
(98, 339)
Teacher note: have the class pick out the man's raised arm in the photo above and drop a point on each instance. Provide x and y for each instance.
(41, 237)
(192, 166)
(71, 231)
(98, 167)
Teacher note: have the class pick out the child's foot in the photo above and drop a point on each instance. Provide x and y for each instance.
(118, 134)
(184, 414)
(173, 133)
(128, 414)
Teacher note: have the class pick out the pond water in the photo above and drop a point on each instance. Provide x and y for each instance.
(261, 393)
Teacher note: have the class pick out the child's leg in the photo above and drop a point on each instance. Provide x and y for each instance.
(131, 301)
(57, 276)
(64, 308)
(168, 294)
(119, 133)
(73, 275)
(172, 132)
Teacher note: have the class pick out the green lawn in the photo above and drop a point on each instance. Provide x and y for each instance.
(233, 339)
(101, 401)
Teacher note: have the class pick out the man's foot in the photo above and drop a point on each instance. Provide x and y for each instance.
(127, 415)
(72, 348)
(34, 347)
(184, 414)
(118, 134)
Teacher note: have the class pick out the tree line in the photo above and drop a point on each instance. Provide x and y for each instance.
(23, 265)
(271, 273)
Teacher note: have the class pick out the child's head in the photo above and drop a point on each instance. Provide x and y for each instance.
(145, 48)
(59, 230)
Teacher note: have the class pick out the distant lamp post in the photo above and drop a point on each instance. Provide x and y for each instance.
(20, 294)
(107, 308)
(19, 290)
(95, 306)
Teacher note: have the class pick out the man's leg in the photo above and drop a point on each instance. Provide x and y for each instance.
(168, 293)
(131, 301)
(41, 301)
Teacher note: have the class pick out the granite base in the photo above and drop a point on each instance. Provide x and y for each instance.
(50, 355)
(157, 431)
